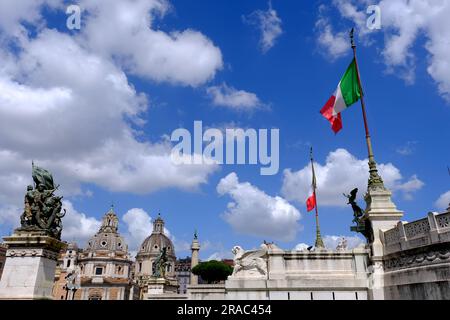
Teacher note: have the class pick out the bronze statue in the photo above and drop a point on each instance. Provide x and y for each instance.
(357, 211)
(42, 210)
(362, 225)
(159, 270)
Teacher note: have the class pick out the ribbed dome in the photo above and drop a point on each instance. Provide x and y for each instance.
(156, 241)
(108, 238)
(107, 241)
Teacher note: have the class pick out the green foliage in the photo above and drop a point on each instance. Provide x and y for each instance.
(213, 271)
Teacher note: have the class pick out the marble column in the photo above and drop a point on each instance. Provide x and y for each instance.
(195, 248)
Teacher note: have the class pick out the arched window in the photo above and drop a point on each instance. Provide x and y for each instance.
(119, 270)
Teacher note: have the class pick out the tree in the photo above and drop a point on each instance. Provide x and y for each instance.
(212, 271)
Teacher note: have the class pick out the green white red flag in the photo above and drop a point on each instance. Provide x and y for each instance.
(311, 202)
(347, 93)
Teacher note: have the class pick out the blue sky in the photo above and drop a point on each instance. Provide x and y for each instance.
(283, 85)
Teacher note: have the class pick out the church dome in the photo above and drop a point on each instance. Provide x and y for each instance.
(153, 244)
(108, 237)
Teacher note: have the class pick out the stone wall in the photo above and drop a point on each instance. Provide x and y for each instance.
(417, 259)
(206, 292)
(297, 275)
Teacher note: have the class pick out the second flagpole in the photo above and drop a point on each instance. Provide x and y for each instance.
(319, 241)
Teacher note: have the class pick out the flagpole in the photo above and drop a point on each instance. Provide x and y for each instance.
(319, 241)
(375, 180)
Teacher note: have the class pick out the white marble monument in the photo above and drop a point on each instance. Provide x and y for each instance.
(30, 266)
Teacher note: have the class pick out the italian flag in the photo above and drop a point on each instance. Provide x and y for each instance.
(347, 93)
(311, 202)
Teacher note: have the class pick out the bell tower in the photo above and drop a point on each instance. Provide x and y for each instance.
(158, 225)
(110, 222)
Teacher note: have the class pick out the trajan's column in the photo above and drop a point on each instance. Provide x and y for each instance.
(195, 248)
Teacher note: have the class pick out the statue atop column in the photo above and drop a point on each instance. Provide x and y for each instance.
(42, 209)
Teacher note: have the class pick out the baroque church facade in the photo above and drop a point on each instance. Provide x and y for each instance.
(105, 270)
(102, 271)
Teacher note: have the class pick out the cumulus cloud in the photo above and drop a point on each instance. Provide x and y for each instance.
(444, 201)
(139, 226)
(331, 242)
(14, 13)
(78, 226)
(220, 255)
(407, 149)
(405, 24)
(229, 97)
(10, 216)
(214, 251)
(254, 212)
(71, 108)
(269, 24)
(125, 30)
(332, 45)
(301, 247)
(341, 173)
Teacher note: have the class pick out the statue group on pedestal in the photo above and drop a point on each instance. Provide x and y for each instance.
(42, 211)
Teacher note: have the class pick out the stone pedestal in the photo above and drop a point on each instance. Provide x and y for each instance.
(30, 266)
(247, 288)
(158, 288)
(382, 214)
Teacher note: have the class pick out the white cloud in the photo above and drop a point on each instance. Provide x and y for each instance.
(10, 216)
(13, 13)
(405, 24)
(444, 201)
(332, 45)
(125, 30)
(269, 24)
(301, 247)
(225, 96)
(341, 173)
(73, 111)
(407, 149)
(219, 256)
(139, 226)
(331, 242)
(77, 226)
(253, 212)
